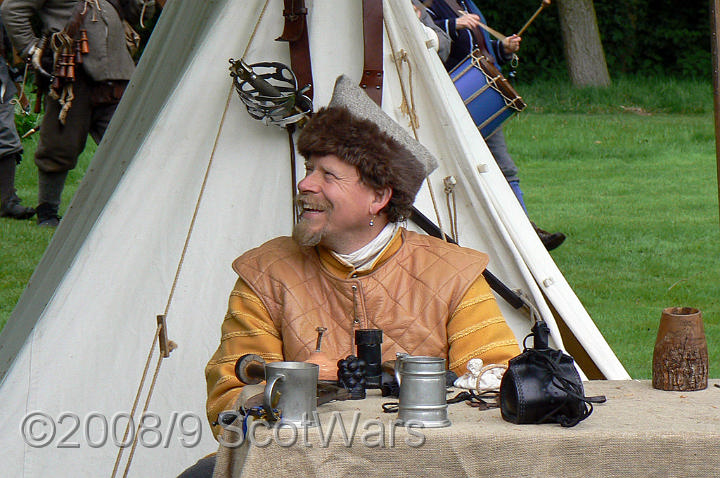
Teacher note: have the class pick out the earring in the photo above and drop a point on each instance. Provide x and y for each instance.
(372, 221)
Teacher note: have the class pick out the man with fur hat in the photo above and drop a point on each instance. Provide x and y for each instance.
(350, 265)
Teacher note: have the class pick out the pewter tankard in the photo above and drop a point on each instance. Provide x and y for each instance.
(423, 396)
(294, 386)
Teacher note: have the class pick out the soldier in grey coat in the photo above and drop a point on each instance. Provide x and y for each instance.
(86, 104)
(10, 146)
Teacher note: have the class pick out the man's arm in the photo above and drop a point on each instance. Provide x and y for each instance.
(461, 39)
(16, 15)
(247, 329)
(477, 329)
(506, 49)
(443, 39)
(447, 25)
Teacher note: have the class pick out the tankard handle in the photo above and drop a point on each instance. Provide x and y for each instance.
(398, 365)
(269, 393)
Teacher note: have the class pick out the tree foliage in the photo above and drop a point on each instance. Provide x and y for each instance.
(640, 37)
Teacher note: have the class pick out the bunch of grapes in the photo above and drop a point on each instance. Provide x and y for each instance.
(351, 375)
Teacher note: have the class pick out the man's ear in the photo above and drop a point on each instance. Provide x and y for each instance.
(381, 199)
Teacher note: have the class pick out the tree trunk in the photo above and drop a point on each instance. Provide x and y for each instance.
(581, 40)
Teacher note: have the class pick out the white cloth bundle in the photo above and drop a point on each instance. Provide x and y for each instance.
(481, 378)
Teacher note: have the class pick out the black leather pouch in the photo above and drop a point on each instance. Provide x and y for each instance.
(542, 385)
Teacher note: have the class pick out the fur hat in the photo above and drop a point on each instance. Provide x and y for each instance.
(355, 129)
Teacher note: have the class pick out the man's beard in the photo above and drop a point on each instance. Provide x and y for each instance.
(305, 236)
(302, 232)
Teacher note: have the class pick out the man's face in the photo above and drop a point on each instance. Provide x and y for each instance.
(335, 206)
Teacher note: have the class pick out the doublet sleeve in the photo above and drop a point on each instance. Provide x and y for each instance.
(247, 329)
(477, 329)
(16, 15)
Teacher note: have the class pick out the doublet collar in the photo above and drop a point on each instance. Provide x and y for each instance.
(343, 271)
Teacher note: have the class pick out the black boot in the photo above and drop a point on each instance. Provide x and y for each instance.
(550, 240)
(9, 202)
(12, 208)
(47, 215)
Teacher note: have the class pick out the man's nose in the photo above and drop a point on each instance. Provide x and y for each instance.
(309, 183)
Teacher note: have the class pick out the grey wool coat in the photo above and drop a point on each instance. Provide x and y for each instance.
(109, 58)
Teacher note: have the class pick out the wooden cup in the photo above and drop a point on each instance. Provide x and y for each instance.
(680, 358)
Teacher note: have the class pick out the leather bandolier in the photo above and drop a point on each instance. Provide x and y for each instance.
(63, 54)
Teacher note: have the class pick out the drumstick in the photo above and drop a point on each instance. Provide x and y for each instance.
(544, 4)
(491, 31)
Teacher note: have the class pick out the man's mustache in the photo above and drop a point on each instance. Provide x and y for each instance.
(306, 201)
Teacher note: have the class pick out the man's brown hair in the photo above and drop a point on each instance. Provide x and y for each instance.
(380, 160)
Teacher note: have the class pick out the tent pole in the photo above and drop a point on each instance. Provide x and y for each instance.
(715, 24)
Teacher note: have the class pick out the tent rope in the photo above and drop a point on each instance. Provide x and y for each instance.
(169, 301)
(135, 403)
(181, 261)
(404, 107)
(209, 166)
(257, 24)
(145, 407)
(408, 107)
(451, 202)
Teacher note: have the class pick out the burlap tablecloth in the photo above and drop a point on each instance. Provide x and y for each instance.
(639, 431)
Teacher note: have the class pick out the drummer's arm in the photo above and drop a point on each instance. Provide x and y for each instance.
(505, 49)
(445, 24)
(247, 329)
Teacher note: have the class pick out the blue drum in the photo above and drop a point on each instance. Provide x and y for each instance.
(488, 96)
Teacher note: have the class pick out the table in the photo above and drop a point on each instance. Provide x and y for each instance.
(639, 431)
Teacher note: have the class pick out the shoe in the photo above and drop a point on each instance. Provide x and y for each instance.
(15, 210)
(551, 240)
(47, 215)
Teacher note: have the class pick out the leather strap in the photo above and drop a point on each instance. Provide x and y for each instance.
(295, 33)
(372, 78)
(77, 17)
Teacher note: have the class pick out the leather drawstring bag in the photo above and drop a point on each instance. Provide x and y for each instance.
(542, 385)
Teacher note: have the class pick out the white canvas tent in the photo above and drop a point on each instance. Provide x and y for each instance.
(183, 182)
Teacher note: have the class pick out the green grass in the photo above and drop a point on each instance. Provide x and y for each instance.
(627, 172)
(635, 190)
(23, 242)
(625, 95)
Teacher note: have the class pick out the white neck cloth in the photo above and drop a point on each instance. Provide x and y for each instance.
(363, 258)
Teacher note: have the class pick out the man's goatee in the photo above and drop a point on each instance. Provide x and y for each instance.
(304, 236)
